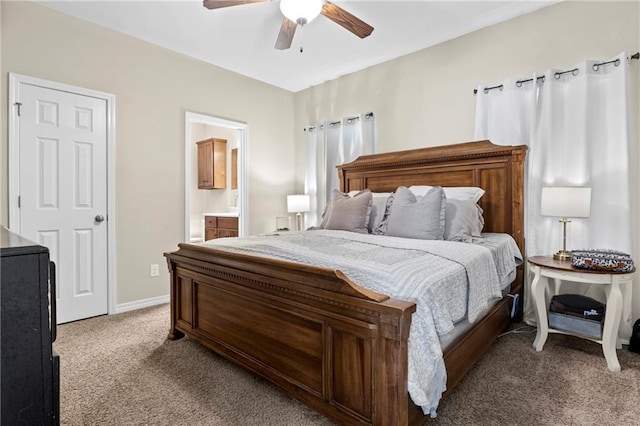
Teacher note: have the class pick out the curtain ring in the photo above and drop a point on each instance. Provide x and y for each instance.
(557, 76)
(595, 67)
(616, 62)
(519, 83)
(501, 87)
(486, 90)
(575, 71)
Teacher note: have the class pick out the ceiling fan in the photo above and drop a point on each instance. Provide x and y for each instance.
(301, 12)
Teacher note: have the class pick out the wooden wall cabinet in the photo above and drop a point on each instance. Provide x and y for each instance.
(220, 227)
(212, 163)
(234, 168)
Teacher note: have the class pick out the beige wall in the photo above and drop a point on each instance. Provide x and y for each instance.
(153, 88)
(422, 99)
(426, 98)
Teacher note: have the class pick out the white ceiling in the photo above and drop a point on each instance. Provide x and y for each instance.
(241, 38)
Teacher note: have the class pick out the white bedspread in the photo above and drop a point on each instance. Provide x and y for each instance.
(445, 279)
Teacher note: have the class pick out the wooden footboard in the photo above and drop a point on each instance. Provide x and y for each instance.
(337, 347)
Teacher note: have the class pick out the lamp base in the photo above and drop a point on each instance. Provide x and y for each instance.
(298, 221)
(562, 255)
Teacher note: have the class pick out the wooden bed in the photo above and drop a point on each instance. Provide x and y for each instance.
(323, 339)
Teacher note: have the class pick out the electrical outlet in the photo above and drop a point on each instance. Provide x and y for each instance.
(154, 270)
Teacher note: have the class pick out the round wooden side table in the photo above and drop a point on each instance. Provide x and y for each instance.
(546, 268)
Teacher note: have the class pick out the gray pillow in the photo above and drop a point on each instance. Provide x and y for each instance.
(463, 220)
(381, 229)
(378, 208)
(348, 213)
(417, 217)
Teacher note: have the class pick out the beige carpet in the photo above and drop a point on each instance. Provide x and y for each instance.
(121, 370)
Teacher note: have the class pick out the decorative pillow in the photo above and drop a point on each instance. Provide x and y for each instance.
(420, 218)
(381, 229)
(470, 193)
(348, 213)
(463, 221)
(378, 209)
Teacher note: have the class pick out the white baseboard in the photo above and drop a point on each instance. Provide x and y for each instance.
(139, 304)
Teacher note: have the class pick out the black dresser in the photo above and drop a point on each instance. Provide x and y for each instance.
(29, 369)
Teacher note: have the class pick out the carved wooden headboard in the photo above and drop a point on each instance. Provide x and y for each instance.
(499, 170)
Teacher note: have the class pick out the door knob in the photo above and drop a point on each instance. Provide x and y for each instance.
(99, 218)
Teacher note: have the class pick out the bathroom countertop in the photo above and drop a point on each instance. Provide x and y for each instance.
(225, 214)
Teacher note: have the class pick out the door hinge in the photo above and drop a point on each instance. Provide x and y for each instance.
(18, 104)
(18, 201)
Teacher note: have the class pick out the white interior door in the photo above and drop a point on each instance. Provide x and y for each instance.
(63, 192)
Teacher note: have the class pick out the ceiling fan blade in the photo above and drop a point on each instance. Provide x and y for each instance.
(285, 36)
(346, 20)
(217, 4)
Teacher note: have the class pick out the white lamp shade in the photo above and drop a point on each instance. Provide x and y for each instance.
(305, 10)
(567, 201)
(298, 203)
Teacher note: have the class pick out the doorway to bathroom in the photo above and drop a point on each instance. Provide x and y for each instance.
(216, 147)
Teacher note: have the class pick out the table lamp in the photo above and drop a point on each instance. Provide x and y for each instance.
(565, 202)
(298, 204)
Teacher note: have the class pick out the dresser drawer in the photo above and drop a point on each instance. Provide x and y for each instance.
(210, 233)
(228, 222)
(220, 227)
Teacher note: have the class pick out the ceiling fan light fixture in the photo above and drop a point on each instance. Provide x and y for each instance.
(301, 11)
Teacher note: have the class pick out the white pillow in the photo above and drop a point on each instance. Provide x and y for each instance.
(465, 193)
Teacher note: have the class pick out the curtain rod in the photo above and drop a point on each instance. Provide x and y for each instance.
(519, 82)
(349, 120)
(557, 75)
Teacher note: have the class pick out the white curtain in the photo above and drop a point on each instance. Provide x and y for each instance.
(515, 99)
(334, 156)
(315, 171)
(337, 143)
(576, 126)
